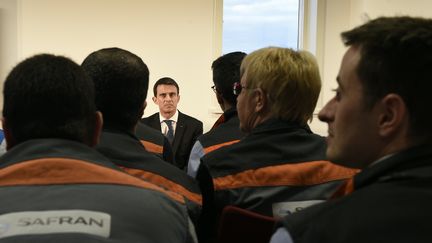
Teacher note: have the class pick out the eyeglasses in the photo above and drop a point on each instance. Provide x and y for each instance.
(214, 88)
(237, 88)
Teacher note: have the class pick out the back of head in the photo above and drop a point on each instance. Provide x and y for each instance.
(121, 84)
(165, 81)
(289, 78)
(396, 57)
(226, 72)
(47, 96)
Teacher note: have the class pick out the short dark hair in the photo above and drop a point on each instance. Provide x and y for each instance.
(121, 83)
(47, 96)
(226, 72)
(165, 81)
(396, 57)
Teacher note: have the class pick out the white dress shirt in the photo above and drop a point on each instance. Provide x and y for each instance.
(164, 126)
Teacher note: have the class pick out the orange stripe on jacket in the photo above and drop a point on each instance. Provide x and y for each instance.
(299, 174)
(152, 147)
(49, 171)
(218, 146)
(163, 182)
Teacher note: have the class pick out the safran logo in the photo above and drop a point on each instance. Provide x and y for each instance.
(55, 221)
(61, 220)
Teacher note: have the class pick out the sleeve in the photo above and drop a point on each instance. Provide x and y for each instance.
(195, 159)
(206, 227)
(2, 144)
(191, 232)
(281, 236)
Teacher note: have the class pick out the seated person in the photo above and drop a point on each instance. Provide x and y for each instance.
(280, 166)
(379, 122)
(180, 129)
(121, 81)
(54, 186)
(226, 130)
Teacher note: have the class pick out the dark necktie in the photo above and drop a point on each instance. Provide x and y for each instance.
(170, 133)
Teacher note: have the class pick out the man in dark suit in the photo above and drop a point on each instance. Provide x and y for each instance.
(180, 129)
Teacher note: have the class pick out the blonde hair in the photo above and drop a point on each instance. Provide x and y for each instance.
(290, 79)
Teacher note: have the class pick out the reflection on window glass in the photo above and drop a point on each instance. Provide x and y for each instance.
(252, 24)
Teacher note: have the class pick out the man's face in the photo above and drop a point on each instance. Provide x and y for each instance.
(352, 127)
(166, 98)
(245, 108)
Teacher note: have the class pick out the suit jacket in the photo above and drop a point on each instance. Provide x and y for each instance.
(188, 129)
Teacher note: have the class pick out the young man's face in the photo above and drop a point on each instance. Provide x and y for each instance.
(352, 127)
(167, 98)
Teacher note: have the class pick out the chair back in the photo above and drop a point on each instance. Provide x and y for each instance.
(241, 225)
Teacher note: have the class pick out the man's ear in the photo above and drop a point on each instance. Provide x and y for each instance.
(393, 115)
(260, 100)
(97, 129)
(220, 101)
(154, 100)
(10, 140)
(219, 98)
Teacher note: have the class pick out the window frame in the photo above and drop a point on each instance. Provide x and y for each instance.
(310, 32)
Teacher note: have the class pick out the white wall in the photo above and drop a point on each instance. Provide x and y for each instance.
(175, 38)
(8, 38)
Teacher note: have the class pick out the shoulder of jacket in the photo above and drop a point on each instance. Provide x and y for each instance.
(189, 118)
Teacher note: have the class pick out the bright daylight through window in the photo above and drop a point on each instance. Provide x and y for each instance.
(252, 24)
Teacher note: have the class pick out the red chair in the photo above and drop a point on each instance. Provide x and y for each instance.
(241, 225)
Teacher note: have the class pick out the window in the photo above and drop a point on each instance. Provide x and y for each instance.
(252, 24)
